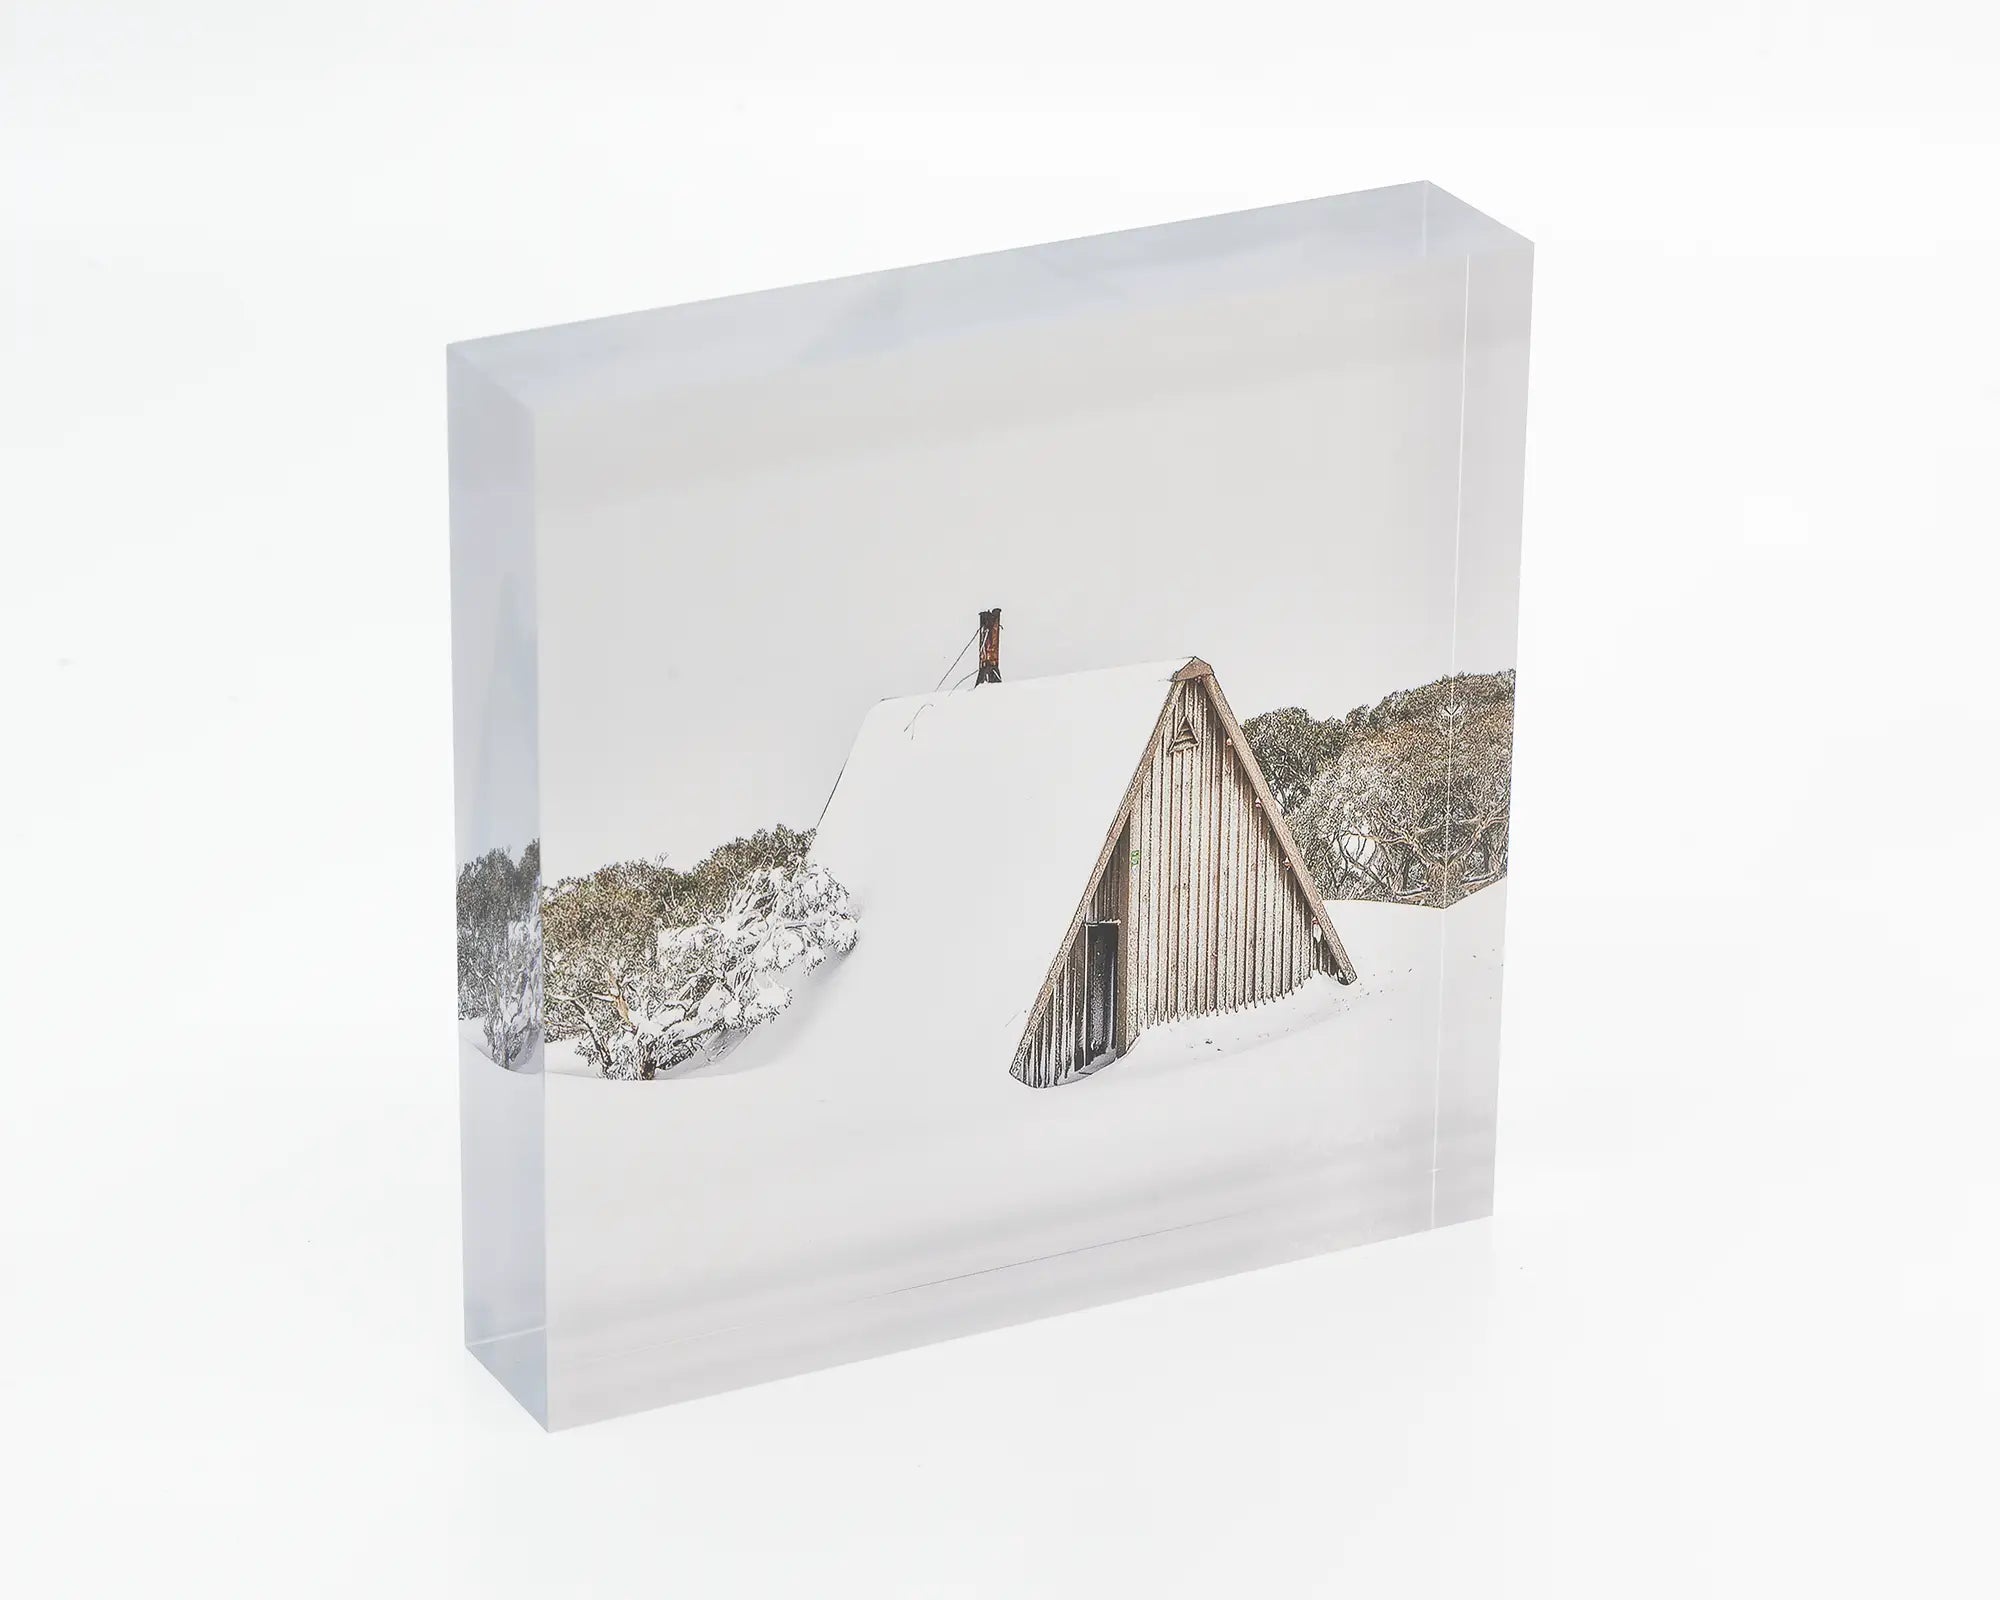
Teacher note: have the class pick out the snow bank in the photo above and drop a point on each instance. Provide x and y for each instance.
(965, 827)
(872, 1141)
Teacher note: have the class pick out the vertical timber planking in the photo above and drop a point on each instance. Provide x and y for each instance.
(1211, 916)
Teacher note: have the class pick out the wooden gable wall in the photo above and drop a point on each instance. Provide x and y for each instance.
(1202, 879)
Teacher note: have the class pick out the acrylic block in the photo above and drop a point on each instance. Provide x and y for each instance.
(982, 789)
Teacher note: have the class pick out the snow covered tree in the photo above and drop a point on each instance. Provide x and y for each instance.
(714, 879)
(1406, 800)
(641, 1013)
(494, 891)
(1293, 749)
(1415, 808)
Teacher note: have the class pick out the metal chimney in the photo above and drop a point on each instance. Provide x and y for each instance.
(989, 646)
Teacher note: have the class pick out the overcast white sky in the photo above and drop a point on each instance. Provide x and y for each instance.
(727, 578)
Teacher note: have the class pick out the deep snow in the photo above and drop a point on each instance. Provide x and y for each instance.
(965, 827)
(843, 1151)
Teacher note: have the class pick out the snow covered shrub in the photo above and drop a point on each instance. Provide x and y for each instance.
(500, 951)
(719, 974)
(513, 1009)
(603, 930)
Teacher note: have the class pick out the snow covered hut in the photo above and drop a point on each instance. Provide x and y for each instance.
(1064, 862)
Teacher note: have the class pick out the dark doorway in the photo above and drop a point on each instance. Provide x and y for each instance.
(1100, 991)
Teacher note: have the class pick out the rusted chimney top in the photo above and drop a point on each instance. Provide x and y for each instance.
(989, 646)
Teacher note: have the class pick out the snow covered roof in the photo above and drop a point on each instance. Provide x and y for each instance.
(966, 825)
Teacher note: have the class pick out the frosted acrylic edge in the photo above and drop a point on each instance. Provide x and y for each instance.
(772, 330)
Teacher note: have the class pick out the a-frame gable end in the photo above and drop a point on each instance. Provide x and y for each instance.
(1042, 1022)
(1294, 857)
(1040, 1006)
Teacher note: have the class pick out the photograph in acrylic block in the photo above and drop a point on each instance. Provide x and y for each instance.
(982, 789)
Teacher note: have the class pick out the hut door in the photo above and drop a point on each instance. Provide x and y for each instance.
(1100, 1005)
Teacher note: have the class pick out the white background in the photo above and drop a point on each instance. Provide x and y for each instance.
(1733, 1328)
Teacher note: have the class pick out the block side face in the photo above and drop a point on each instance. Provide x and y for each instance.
(1453, 228)
(494, 634)
(1492, 460)
(520, 1362)
(497, 830)
(501, 1183)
